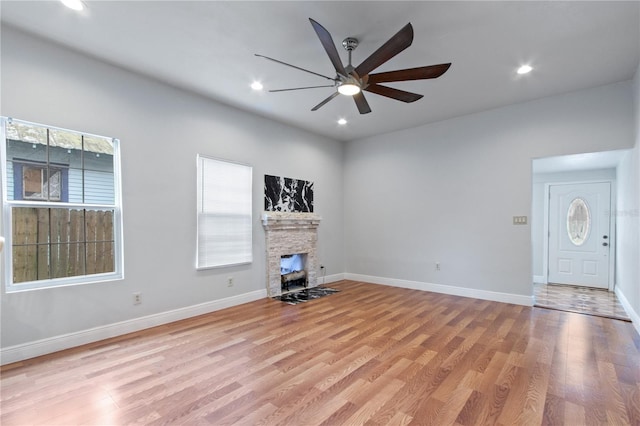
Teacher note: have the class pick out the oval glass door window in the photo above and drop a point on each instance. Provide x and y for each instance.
(578, 221)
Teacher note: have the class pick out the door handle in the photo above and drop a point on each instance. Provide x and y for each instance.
(605, 237)
(605, 244)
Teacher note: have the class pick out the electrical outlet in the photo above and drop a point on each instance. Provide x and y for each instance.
(437, 266)
(137, 298)
(230, 282)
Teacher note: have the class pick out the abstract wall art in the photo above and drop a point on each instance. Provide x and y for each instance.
(283, 194)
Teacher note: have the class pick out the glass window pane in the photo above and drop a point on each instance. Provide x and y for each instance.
(99, 225)
(26, 132)
(75, 185)
(99, 187)
(67, 226)
(65, 139)
(100, 258)
(29, 225)
(67, 260)
(578, 221)
(25, 263)
(98, 154)
(97, 144)
(30, 239)
(26, 151)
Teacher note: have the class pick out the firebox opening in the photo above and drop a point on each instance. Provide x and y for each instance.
(293, 274)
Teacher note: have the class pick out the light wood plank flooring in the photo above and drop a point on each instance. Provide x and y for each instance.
(371, 355)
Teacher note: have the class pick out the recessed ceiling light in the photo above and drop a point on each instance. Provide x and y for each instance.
(525, 69)
(73, 4)
(342, 122)
(256, 85)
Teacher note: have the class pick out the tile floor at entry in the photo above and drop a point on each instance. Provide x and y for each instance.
(583, 300)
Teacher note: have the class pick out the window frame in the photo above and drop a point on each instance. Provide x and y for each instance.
(6, 257)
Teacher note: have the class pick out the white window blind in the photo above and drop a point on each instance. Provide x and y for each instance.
(224, 213)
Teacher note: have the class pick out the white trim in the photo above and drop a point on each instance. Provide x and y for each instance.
(53, 344)
(330, 278)
(635, 317)
(545, 236)
(516, 299)
(540, 279)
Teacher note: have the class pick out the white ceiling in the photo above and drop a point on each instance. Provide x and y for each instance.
(208, 47)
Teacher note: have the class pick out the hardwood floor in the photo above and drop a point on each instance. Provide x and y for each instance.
(370, 355)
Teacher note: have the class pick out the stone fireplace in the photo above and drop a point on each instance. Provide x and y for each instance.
(290, 233)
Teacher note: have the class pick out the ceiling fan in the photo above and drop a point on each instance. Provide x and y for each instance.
(351, 81)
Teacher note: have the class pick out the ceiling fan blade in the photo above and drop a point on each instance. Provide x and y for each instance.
(389, 92)
(420, 73)
(396, 44)
(293, 66)
(301, 88)
(317, 107)
(361, 103)
(329, 47)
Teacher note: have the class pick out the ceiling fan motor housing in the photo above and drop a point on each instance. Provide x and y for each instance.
(350, 43)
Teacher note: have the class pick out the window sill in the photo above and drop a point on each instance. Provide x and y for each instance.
(63, 282)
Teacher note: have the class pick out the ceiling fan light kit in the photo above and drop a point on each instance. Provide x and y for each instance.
(76, 5)
(524, 69)
(349, 89)
(352, 81)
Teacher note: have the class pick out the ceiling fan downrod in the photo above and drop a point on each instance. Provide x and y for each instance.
(350, 84)
(350, 45)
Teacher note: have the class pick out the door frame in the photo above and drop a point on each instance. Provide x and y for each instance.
(612, 228)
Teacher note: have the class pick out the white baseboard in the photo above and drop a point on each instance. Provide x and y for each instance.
(66, 341)
(516, 299)
(635, 317)
(330, 278)
(539, 279)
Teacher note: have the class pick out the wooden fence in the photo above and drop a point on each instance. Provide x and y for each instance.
(58, 242)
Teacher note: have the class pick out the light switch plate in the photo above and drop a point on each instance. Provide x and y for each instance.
(520, 220)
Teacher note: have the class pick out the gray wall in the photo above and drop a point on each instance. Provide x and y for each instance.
(447, 191)
(628, 219)
(161, 130)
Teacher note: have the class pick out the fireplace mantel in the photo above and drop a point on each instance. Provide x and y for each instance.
(290, 233)
(286, 220)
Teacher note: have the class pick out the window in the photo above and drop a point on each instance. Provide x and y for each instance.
(578, 221)
(61, 206)
(224, 213)
(36, 181)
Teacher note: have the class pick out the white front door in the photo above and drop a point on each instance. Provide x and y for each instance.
(579, 234)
